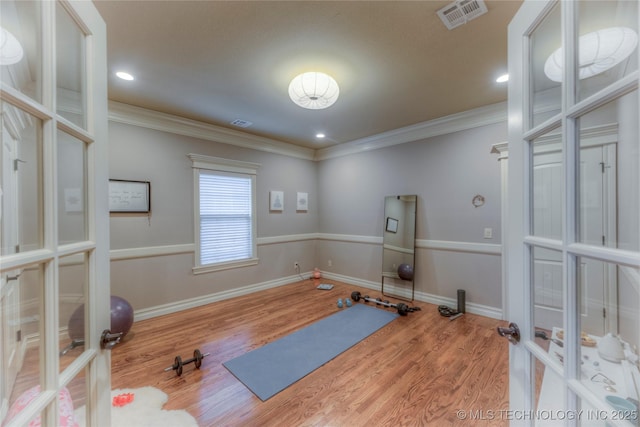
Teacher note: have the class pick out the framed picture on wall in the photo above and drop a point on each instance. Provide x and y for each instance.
(129, 196)
(302, 202)
(276, 201)
(392, 225)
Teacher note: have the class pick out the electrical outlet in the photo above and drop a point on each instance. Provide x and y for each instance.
(296, 266)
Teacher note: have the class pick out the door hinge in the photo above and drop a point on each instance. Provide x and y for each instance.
(604, 312)
(603, 241)
(19, 335)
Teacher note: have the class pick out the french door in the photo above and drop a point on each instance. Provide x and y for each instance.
(574, 79)
(54, 241)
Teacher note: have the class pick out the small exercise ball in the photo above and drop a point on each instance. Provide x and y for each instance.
(121, 319)
(121, 315)
(405, 271)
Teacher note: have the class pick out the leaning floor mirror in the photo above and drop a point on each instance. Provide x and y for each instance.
(398, 246)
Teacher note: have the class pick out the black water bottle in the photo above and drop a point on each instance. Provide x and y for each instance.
(461, 301)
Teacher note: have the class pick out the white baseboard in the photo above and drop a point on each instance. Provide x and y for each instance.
(174, 307)
(470, 307)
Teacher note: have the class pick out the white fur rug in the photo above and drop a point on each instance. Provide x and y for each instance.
(144, 411)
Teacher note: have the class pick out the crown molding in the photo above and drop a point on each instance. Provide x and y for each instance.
(137, 116)
(490, 114)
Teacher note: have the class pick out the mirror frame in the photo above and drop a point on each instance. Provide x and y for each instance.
(396, 229)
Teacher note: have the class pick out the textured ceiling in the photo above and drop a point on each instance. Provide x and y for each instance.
(217, 61)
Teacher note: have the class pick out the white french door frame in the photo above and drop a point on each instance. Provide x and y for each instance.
(520, 240)
(94, 361)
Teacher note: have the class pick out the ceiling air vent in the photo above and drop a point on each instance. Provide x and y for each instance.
(461, 11)
(241, 123)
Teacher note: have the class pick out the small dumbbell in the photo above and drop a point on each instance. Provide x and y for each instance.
(179, 363)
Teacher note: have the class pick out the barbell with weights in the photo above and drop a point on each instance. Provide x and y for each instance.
(403, 309)
(179, 363)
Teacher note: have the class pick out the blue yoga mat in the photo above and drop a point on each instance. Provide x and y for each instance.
(273, 367)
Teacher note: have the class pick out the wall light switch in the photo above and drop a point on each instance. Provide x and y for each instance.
(488, 233)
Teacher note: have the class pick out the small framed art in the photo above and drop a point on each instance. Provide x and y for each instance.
(276, 201)
(302, 202)
(392, 225)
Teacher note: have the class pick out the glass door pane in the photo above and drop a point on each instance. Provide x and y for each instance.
(546, 87)
(21, 57)
(73, 272)
(71, 189)
(22, 338)
(548, 300)
(547, 186)
(609, 175)
(610, 338)
(608, 49)
(70, 68)
(22, 211)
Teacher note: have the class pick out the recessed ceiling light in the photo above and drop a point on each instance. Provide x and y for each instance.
(503, 78)
(124, 76)
(320, 135)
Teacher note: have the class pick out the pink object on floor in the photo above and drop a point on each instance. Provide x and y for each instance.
(122, 399)
(67, 417)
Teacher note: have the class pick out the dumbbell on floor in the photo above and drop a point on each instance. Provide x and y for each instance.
(179, 363)
(403, 309)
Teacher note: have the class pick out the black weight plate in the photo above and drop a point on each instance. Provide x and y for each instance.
(403, 309)
(178, 365)
(355, 295)
(198, 358)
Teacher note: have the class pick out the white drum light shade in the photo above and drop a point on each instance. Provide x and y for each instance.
(10, 49)
(598, 52)
(314, 90)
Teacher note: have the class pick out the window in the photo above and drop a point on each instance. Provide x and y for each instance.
(225, 219)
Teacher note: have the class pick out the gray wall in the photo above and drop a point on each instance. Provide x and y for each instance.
(446, 172)
(344, 223)
(147, 281)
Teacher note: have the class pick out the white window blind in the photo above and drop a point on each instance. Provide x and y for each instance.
(225, 217)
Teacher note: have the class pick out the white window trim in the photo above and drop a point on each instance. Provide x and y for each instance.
(217, 164)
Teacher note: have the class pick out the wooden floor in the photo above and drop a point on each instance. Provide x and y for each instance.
(418, 370)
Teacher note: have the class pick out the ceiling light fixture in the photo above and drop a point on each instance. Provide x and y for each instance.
(10, 48)
(124, 76)
(598, 52)
(320, 135)
(503, 78)
(314, 90)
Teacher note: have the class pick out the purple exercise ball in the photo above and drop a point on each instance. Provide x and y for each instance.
(405, 271)
(121, 318)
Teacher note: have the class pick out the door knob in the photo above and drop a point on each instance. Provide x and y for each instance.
(109, 340)
(512, 333)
